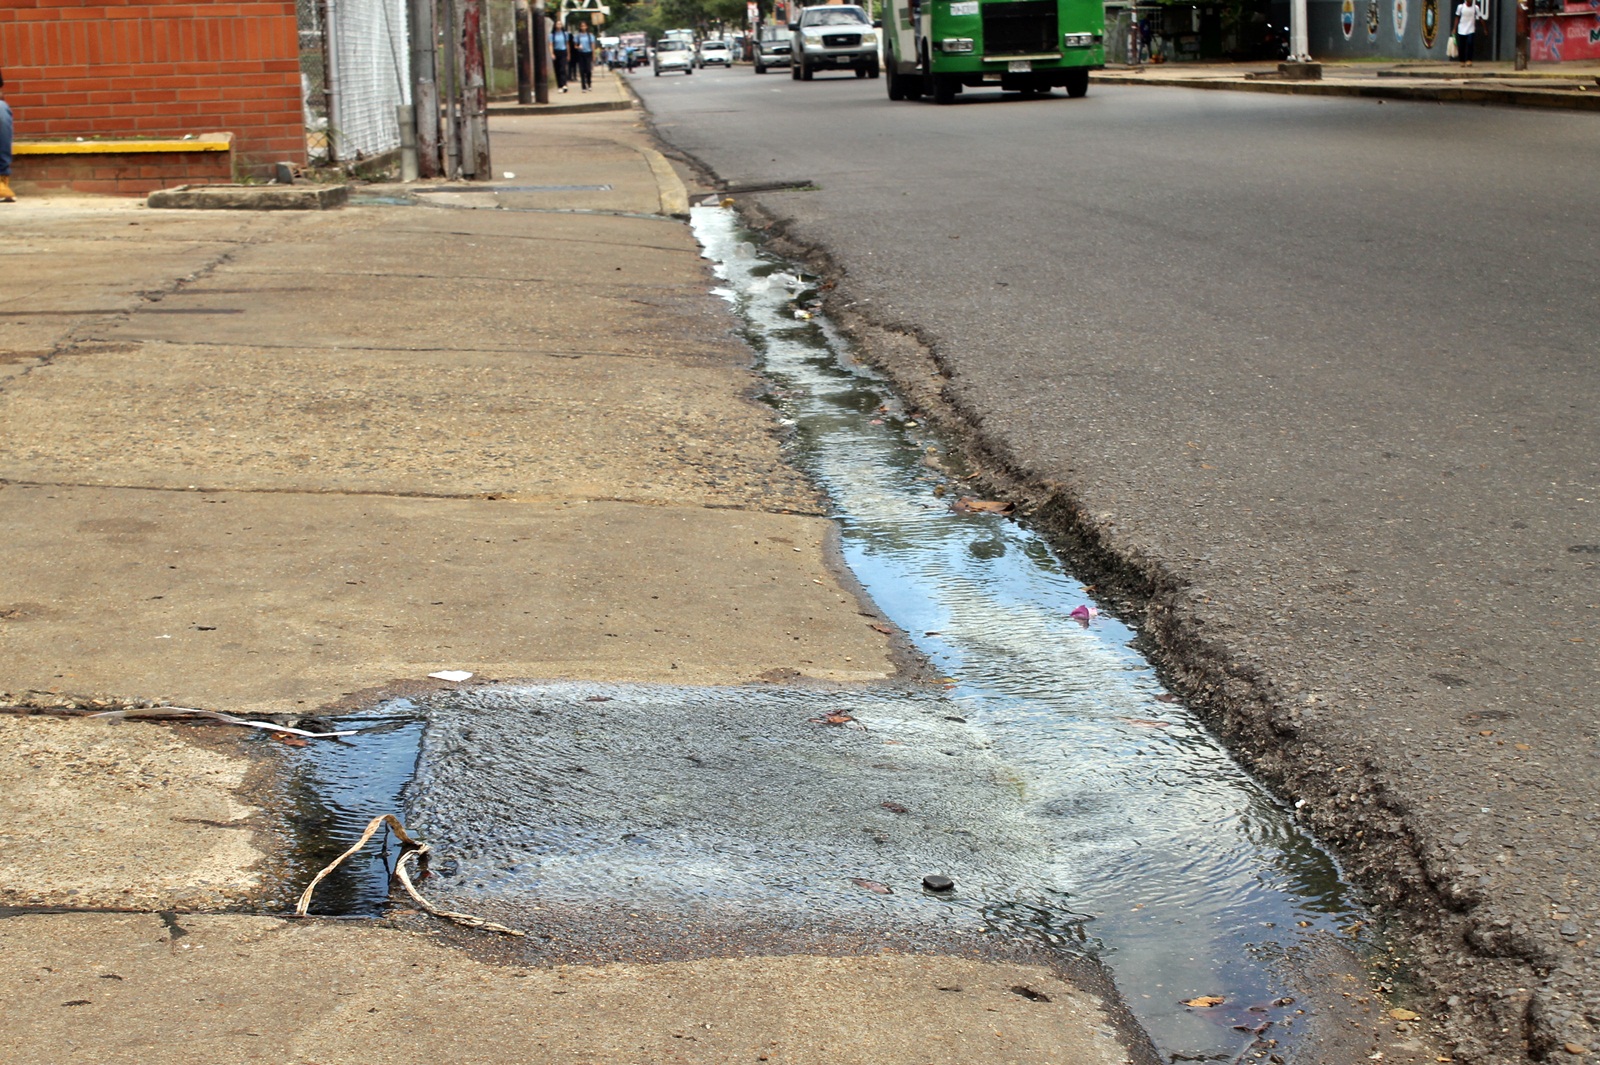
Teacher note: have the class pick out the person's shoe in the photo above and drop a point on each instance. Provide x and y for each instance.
(6, 195)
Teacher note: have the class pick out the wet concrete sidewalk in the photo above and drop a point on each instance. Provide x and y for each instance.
(287, 462)
(1566, 86)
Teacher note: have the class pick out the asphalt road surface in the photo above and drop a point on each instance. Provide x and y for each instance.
(1311, 385)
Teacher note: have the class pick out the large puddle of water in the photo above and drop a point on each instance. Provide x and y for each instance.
(1073, 803)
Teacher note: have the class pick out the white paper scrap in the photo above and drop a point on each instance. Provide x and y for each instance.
(451, 674)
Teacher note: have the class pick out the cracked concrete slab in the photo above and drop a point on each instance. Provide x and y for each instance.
(103, 814)
(263, 602)
(451, 423)
(134, 989)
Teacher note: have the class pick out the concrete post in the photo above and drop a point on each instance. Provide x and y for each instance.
(406, 116)
(425, 87)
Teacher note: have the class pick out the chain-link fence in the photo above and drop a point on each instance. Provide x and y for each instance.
(354, 63)
(313, 78)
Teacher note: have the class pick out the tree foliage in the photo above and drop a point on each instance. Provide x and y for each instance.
(703, 16)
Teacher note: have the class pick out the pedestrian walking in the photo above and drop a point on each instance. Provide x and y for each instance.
(1468, 14)
(560, 51)
(6, 195)
(583, 53)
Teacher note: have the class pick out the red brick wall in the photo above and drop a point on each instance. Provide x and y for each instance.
(157, 68)
(133, 174)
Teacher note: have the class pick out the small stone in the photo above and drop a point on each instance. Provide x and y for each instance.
(1576, 1048)
(938, 882)
(1403, 1015)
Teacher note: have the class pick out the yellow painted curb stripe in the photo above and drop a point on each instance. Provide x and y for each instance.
(115, 147)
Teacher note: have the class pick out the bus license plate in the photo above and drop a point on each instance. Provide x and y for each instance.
(1019, 66)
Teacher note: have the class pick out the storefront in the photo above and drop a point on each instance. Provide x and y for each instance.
(1561, 31)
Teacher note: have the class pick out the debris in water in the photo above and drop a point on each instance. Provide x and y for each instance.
(157, 712)
(968, 505)
(872, 885)
(1204, 1002)
(413, 849)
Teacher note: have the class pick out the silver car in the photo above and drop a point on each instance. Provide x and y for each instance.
(833, 37)
(674, 53)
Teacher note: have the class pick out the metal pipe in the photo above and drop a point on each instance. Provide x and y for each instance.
(1299, 34)
(452, 91)
(329, 98)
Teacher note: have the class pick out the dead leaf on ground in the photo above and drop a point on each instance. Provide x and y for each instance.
(837, 717)
(894, 808)
(1204, 1002)
(886, 630)
(968, 505)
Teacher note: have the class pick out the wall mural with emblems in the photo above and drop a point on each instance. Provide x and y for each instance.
(1410, 29)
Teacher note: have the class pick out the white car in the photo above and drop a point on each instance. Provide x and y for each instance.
(673, 53)
(715, 53)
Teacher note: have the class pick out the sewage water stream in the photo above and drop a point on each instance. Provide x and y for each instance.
(1074, 804)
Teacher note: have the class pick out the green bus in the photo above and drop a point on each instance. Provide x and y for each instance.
(935, 48)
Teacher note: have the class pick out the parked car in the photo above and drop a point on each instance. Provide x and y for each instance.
(715, 53)
(673, 53)
(771, 49)
(833, 37)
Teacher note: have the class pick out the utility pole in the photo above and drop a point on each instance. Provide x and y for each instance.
(474, 95)
(1523, 33)
(425, 86)
(1299, 34)
(541, 54)
(524, 53)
